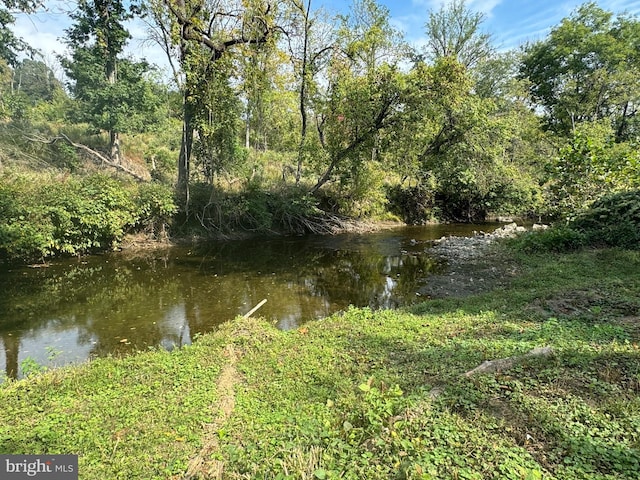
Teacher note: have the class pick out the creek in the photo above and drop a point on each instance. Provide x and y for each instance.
(117, 303)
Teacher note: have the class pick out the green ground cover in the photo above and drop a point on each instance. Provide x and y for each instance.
(370, 395)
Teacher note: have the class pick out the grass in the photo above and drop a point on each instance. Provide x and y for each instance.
(370, 395)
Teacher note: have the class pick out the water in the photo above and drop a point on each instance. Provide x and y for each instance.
(118, 303)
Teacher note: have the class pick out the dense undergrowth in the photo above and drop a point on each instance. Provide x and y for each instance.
(612, 221)
(45, 214)
(370, 395)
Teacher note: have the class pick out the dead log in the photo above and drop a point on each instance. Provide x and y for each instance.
(490, 366)
(92, 153)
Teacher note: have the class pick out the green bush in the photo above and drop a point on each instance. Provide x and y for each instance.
(590, 165)
(252, 209)
(155, 205)
(42, 215)
(613, 220)
(556, 239)
(91, 213)
(415, 205)
(25, 230)
(292, 208)
(223, 212)
(64, 156)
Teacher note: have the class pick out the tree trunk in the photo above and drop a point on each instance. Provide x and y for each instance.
(186, 146)
(303, 92)
(111, 73)
(114, 147)
(247, 136)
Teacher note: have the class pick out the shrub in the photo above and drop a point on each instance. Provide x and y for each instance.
(292, 209)
(25, 230)
(613, 220)
(42, 215)
(413, 204)
(223, 212)
(359, 192)
(155, 206)
(252, 209)
(591, 164)
(89, 214)
(556, 239)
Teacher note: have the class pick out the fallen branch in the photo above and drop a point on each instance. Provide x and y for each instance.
(254, 309)
(96, 155)
(489, 366)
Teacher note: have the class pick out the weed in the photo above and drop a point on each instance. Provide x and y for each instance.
(371, 395)
(29, 366)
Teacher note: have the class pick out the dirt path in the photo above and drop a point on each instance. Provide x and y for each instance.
(202, 466)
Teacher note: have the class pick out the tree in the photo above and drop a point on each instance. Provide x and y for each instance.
(206, 32)
(10, 45)
(310, 38)
(454, 31)
(265, 83)
(585, 78)
(587, 69)
(464, 143)
(36, 80)
(364, 93)
(113, 92)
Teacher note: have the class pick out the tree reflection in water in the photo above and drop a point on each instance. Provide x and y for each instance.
(118, 303)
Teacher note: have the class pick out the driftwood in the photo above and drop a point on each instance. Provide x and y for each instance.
(255, 309)
(96, 155)
(489, 366)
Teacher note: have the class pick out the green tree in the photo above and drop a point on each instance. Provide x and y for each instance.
(470, 149)
(36, 80)
(311, 38)
(113, 92)
(10, 45)
(586, 70)
(206, 32)
(260, 71)
(363, 98)
(454, 31)
(217, 121)
(585, 77)
(589, 165)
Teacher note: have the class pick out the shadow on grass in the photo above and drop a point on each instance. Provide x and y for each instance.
(577, 412)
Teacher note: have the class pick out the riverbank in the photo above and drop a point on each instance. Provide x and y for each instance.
(354, 395)
(474, 264)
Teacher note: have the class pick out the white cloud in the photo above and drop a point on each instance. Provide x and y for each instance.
(484, 6)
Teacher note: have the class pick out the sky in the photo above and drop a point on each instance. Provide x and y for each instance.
(510, 23)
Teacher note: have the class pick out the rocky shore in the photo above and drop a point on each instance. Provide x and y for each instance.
(473, 265)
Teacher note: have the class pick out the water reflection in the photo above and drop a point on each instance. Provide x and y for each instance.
(118, 303)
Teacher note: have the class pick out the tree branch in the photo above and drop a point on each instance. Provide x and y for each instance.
(96, 155)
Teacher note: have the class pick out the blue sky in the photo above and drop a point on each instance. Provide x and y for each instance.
(510, 22)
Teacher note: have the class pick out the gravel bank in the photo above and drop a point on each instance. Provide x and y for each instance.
(474, 264)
